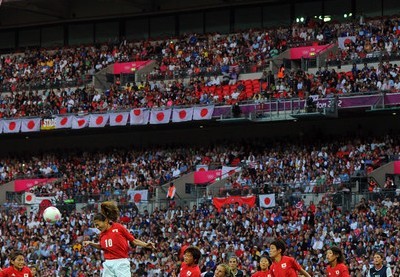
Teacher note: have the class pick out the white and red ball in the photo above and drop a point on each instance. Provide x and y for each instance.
(51, 214)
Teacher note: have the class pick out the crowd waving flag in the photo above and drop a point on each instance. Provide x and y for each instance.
(267, 200)
(138, 196)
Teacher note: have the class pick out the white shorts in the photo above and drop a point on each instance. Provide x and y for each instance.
(116, 268)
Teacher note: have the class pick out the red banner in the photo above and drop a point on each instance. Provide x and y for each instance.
(306, 52)
(397, 167)
(203, 177)
(26, 184)
(130, 67)
(241, 200)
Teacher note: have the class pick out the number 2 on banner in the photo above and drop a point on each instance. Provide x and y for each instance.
(108, 242)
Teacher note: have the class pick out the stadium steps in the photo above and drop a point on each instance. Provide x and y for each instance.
(183, 193)
(379, 174)
(100, 80)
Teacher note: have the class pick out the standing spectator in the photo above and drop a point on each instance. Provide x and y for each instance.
(190, 266)
(283, 265)
(378, 269)
(114, 242)
(171, 191)
(17, 268)
(336, 265)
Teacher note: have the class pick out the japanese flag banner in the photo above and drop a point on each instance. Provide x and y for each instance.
(63, 122)
(267, 200)
(138, 196)
(182, 114)
(11, 126)
(119, 119)
(80, 122)
(30, 125)
(203, 113)
(160, 116)
(98, 120)
(139, 116)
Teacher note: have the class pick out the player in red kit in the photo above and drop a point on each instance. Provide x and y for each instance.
(190, 267)
(283, 266)
(264, 265)
(114, 239)
(336, 267)
(17, 268)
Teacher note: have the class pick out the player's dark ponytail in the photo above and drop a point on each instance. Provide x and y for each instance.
(110, 210)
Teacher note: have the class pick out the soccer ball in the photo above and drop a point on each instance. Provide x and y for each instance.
(51, 214)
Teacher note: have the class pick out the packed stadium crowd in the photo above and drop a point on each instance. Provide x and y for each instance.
(213, 63)
(321, 166)
(193, 54)
(234, 231)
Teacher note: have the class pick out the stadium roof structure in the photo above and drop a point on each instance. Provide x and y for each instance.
(19, 13)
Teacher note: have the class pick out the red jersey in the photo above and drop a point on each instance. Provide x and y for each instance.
(340, 270)
(287, 267)
(189, 270)
(114, 242)
(266, 273)
(12, 272)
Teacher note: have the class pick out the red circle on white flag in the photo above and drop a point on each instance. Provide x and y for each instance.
(137, 197)
(81, 122)
(202, 169)
(28, 198)
(64, 121)
(31, 124)
(160, 116)
(203, 112)
(99, 120)
(12, 125)
(182, 114)
(267, 201)
(119, 118)
(137, 112)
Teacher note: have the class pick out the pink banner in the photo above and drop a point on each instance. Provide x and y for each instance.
(306, 52)
(203, 177)
(397, 167)
(26, 184)
(130, 67)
